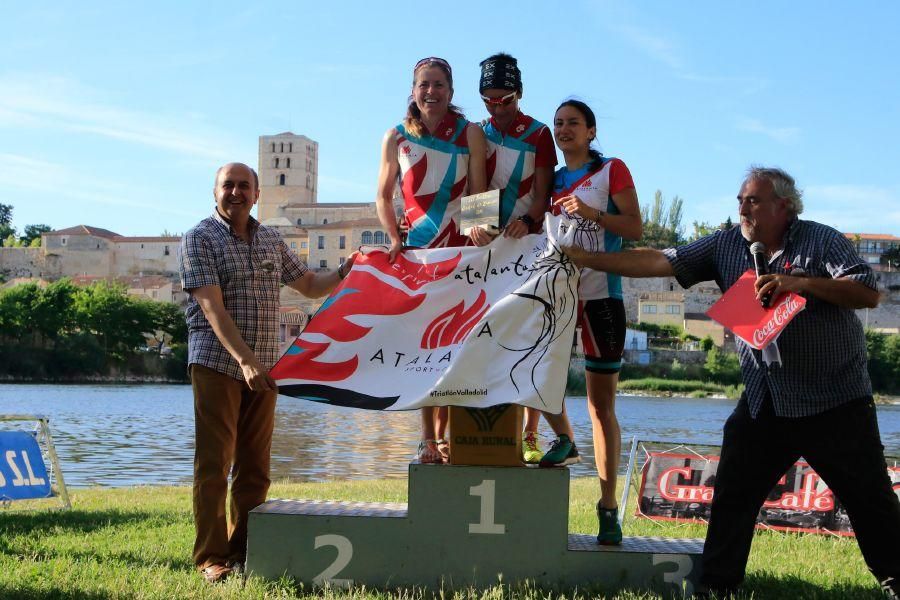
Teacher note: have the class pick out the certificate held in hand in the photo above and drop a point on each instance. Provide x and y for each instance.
(480, 210)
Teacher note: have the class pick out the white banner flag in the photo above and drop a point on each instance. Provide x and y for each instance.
(446, 326)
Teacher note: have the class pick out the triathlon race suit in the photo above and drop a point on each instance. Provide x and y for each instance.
(602, 314)
(433, 177)
(512, 157)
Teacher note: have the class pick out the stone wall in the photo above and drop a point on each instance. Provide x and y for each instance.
(28, 262)
(147, 257)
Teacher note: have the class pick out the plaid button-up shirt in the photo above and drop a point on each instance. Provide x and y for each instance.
(823, 350)
(250, 277)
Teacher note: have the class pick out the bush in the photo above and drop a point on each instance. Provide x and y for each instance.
(176, 363)
(722, 367)
(884, 361)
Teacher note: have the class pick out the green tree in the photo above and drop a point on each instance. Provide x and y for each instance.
(169, 325)
(884, 361)
(6, 228)
(722, 367)
(118, 321)
(32, 233)
(16, 311)
(53, 311)
(661, 222)
(892, 257)
(702, 230)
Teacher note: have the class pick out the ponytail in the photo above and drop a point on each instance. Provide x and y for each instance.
(591, 121)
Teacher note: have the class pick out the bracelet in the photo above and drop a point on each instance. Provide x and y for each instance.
(600, 215)
(526, 218)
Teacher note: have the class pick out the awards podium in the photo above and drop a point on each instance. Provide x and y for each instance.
(464, 525)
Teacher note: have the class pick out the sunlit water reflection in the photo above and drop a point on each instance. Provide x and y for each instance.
(121, 435)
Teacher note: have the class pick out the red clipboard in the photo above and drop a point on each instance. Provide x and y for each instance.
(739, 311)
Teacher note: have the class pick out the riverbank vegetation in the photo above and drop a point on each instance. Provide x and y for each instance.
(136, 543)
(720, 374)
(65, 332)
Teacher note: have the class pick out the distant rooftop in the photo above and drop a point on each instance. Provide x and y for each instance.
(111, 235)
(873, 236)
(85, 230)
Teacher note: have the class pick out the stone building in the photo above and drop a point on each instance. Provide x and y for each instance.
(872, 248)
(92, 251)
(323, 234)
(288, 172)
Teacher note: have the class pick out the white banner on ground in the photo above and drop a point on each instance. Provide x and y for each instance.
(466, 326)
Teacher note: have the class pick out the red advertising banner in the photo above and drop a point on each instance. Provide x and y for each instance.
(679, 486)
(739, 311)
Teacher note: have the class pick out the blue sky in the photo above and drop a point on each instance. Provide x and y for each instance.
(117, 116)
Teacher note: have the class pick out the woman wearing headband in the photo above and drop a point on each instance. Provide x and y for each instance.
(520, 161)
(439, 157)
(598, 194)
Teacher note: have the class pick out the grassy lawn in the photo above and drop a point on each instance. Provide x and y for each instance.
(136, 543)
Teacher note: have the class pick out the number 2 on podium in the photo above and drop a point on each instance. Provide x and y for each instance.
(486, 490)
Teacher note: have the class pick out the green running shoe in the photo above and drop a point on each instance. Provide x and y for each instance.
(562, 452)
(531, 449)
(610, 530)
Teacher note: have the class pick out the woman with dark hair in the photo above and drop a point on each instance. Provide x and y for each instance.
(520, 162)
(439, 157)
(598, 194)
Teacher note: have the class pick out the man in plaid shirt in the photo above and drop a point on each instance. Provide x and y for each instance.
(816, 403)
(233, 268)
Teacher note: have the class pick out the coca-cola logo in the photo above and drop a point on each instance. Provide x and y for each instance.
(781, 316)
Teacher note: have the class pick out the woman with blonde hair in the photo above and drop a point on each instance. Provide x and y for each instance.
(439, 157)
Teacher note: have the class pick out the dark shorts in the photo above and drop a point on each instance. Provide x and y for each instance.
(602, 334)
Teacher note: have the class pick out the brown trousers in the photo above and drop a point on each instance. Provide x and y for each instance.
(233, 433)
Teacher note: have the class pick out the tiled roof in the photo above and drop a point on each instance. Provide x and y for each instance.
(873, 236)
(85, 230)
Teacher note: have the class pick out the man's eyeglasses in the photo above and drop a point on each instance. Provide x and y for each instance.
(501, 101)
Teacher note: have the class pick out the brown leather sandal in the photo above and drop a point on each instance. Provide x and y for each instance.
(444, 448)
(429, 454)
(215, 573)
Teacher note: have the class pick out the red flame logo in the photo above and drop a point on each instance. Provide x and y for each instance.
(361, 293)
(453, 326)
(303, 365)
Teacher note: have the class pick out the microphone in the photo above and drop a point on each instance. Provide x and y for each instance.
(758, 250)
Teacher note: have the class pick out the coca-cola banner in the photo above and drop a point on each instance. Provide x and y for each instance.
(447, 326)
(739, 311)
(679, 486)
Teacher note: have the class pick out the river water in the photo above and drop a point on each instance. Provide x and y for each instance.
(123, 435)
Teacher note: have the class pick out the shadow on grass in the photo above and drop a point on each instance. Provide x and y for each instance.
(792, 587)
(48, 594)
(755, 588)
(85, 523)
(79, 521)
